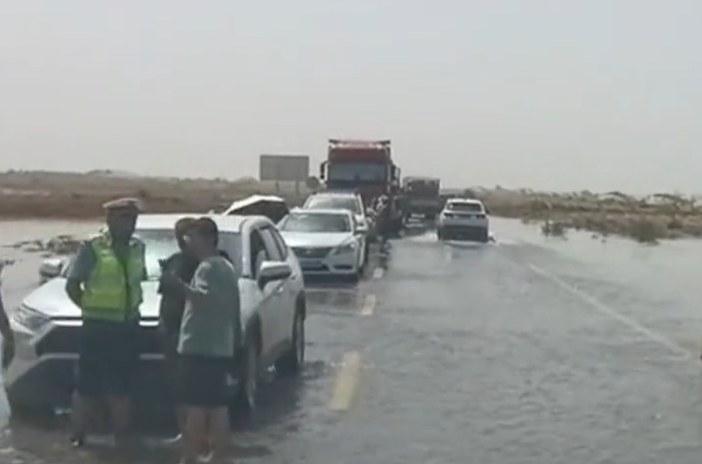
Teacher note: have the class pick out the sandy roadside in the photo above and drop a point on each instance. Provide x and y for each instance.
(44, 195)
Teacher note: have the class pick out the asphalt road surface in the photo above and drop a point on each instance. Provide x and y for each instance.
(521, 351)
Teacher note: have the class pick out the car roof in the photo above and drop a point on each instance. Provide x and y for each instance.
(471, 201)
(231, 223)
(253, 199)
(349, 193)
(342, 211)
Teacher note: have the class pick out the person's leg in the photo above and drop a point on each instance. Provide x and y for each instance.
(192, 386)
(89, 381)
(170, 344)
(218, 417)
(120, 368)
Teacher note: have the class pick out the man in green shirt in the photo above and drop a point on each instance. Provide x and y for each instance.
(210, 333)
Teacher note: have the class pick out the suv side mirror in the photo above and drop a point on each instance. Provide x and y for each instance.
(50, 269)
(270, 271)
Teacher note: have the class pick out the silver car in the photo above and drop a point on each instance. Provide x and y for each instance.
(273, 311)
(348, 200)
(326, 242)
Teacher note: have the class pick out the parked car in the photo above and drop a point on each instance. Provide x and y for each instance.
(464, 219)
(326, 242)
(348, 200)
(47, 323)
(274, 208)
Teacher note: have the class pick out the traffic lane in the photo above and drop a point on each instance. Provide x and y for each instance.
(489, 361)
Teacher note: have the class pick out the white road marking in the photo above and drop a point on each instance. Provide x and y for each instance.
(378, 272)
(613, 314)
(346, 382)
(368, 305)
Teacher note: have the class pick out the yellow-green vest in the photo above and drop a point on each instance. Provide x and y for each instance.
(106, 292)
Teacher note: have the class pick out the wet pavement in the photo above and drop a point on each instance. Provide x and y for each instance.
(528, 350)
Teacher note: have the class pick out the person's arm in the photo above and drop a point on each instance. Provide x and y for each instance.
(5, 329)
(199, 287)
(80, 272)
(238, 331)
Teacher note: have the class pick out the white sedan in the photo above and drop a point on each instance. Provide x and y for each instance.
(326, 242)
(47, 323)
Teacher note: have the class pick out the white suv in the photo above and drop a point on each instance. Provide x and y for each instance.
(463, 218)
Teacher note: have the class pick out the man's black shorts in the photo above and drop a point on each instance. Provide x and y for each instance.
(202, 380)
(107, 359)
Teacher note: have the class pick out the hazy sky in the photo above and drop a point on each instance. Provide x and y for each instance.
(561, 94)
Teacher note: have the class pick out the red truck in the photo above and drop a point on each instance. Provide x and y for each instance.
(365, 166)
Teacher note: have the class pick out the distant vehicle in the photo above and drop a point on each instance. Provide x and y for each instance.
(422, 196)
(273, 207)
(326, 242)
(273, 311)
(464, 219)
(348, 200)
(365, 166)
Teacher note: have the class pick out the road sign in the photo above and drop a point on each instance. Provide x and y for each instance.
(284, 168)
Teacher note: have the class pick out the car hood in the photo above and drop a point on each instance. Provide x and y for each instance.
(315, 239)
(52, 300)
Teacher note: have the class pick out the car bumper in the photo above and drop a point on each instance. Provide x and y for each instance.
(464, 231)
(331, 265)
(47, 380)
(43, 372)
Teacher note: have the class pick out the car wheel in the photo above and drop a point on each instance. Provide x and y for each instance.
(248, 393)
(292, 361)
(439, 234)
(484, 235)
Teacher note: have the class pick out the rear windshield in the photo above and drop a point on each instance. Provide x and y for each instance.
(315, 222)
(472, 207)
(330, 202)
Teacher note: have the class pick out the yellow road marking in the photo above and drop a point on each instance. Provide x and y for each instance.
(368, 305)
(346, 383)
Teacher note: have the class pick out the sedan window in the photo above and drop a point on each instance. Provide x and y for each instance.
(316, 222)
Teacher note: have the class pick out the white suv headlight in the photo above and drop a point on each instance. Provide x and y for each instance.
(347, 247)
(30, 318)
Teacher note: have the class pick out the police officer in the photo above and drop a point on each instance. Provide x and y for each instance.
(105, 282)
(8, 339)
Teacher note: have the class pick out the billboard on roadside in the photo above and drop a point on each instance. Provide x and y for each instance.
(284, 168)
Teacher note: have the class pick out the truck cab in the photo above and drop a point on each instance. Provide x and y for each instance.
(365, 166)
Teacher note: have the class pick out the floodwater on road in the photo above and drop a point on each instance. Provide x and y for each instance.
(528, 350)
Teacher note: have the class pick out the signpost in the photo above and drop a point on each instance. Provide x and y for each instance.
(286, 168)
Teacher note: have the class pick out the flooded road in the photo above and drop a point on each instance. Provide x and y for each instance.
(529, 350)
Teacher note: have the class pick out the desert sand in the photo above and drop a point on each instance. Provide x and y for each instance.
(54, 195)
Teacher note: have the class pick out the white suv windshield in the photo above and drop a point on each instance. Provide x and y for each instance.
(333, 202)
(316, 222)
(161, 243)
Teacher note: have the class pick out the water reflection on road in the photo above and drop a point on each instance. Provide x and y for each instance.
(529, 350)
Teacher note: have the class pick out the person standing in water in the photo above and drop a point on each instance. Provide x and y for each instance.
(105, 282)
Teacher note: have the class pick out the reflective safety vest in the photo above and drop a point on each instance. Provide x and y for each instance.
(113, 292)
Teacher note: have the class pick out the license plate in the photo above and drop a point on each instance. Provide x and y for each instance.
(310, 264)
